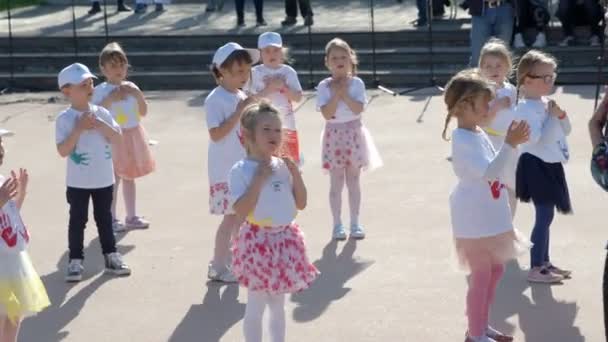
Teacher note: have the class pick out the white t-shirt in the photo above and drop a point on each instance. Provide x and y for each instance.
(356, 91)
(498, 128)
(276, 204)
(90, 164)
(13, 233)
(125, 112)
(547, 133)
(479, 203)
(220, 104)
(261, 74)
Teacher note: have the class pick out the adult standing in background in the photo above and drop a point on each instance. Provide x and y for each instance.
(259, 12)
(490, 18)
(291, 10)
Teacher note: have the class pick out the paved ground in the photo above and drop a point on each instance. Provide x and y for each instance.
(397, 285)
(191, 19)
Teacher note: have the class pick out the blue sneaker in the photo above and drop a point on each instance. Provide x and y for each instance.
(339, 232)
(356, 232)
(141, 8)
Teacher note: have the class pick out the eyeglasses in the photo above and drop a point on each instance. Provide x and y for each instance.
(546, 78)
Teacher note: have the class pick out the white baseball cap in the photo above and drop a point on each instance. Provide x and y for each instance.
(6, 133)
(74, 74)
(225, 51)
(269, 39)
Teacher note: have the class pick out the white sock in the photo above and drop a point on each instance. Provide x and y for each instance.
(276, 306)
(254, 312)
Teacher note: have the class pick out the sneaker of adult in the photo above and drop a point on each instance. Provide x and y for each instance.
(518, 41)
(115, 265)
(74, 271)
(543, 276)
(541, 40)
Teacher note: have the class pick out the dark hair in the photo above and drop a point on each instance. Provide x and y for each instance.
(238, 56)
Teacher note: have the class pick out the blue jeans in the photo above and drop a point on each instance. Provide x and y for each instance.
(495, 22)
(539, 255)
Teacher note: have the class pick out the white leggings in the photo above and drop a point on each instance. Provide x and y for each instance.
(338, 177)
(254, 312)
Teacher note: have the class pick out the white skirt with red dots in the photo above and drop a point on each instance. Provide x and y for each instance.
(272, 259)
(348, 144)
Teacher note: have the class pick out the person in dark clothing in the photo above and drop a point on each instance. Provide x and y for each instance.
(490, 18)
(120, 7)
(581, 12)
(291, 10)
(531, 14)
(240, 12)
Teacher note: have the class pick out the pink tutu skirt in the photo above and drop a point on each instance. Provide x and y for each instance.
(348, 144)
(131, 154)
(272, 259)
(497, 248)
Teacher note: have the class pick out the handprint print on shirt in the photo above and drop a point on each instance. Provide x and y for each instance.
(495, 188)
(80, 158)
(8, 234)
(108, 152)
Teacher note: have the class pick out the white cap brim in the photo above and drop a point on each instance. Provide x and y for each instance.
(271, 44)
(6, 133)
(255, 55)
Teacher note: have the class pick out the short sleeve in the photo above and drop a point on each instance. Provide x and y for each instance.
(106, 117)
(323, 94)
(213, 113)
(98, 95)
(358, 90)
(62, 128)
(237, 184)
(468, 158)
(292, 80)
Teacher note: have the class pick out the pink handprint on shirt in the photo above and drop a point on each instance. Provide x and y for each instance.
(9, 235)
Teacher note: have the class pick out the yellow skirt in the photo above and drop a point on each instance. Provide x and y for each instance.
(22, 293)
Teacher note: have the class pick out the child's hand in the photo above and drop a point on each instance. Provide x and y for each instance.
(555, 110)
(8, 191)
(118, 94)
(86, 121)
(264, 170)
(518, 133)
(291, 165)
(244, 103)
(22, 180)
(275, 84)
(129, 88)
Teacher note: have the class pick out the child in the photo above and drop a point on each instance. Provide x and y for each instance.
(269, 255)
(279, 83)
(495, 64)
(21, 291)
(540, 174)
(131, 154)
(347, 145)
(84, 133)
(481, 220)
(231, 68)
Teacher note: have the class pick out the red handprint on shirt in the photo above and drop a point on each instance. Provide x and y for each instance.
(495, 188)
(9, 235)
(239, 134)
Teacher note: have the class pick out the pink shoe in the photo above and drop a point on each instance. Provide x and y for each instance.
(567, 274)
(544, 276)
(497, 335)
(136, 222)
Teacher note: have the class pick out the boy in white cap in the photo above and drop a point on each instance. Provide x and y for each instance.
(84, 134)
(231, 67)
(278, 82)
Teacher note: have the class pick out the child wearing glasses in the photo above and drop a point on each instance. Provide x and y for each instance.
(540, 174)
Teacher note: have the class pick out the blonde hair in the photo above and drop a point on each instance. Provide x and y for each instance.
(531, 60)
(113, 53)
(465, 86)
(338, 43)
(497, 48)
(251, 117)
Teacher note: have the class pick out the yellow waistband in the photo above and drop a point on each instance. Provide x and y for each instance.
(493, 132)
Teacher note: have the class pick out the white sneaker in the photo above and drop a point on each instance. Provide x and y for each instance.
(117, 226)
(357, 232)
(518, 41)
(479, 339)
(541, 40)
(339, 232)
(115, 265)
(74, 271)
(567, 41)
(594, 40)
(543, 276)
(224, 277)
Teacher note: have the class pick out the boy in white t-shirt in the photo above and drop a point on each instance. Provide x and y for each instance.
(84, 133)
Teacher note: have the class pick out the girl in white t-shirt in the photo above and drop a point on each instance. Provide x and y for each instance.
(278, 83)
(496, 64)
(347, 146)
(540, 173)
(22, 293)
(481, 219)
(131, 154)
(231, 67)
(269, 255)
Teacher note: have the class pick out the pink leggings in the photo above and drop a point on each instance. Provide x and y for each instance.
(483, 281)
